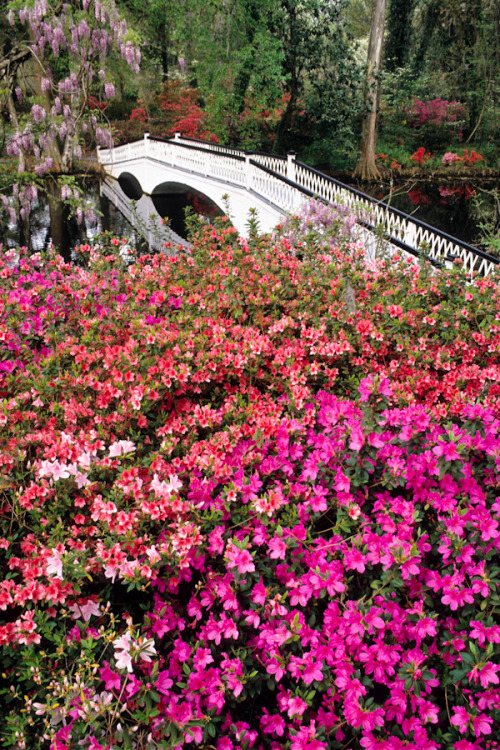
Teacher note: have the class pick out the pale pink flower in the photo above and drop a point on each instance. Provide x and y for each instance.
(85, 610)
(54, 566)
(121, 447)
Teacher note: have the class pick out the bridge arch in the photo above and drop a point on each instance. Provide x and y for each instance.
(130, 186)
(172, 198)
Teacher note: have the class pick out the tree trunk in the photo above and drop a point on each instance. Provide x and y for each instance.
(21, 166)
(366, 168)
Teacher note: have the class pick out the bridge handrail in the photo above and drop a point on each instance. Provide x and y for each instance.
(276, 163)
(393, 240)
(265, 161)
(363, 197)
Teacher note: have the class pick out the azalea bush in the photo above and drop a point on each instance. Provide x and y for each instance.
(467, 158)
(240, 510)
(436, 121)
(421, 156)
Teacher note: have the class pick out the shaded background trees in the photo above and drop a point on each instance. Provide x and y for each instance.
(278, 75)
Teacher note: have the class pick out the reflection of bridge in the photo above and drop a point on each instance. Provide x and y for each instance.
(274, 186)
(142, 216)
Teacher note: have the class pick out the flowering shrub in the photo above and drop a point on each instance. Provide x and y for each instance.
(175, 108)
(387, 161)
(450, 158)
(139, 113)
(459, 192)
(183, 112)
(437, 121)
(420, 156)
(467, 158)
(471, 158)
(438, 111)
(239, 513)
(255, 126)
(419, 197)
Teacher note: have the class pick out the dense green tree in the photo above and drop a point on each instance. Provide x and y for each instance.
(399, 29)
(311, 33)
(454, 53)
(257, 51)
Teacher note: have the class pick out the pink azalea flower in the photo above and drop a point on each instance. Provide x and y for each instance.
(460, 718)
(366, 388)
(357, 437)
(120, 448)
(112, 680)
(277, 548)
(482, 724)
(85, 609)
(272, 724)
(54, 566)
(239, 558)
(164, 683)
(296, 707)
(122, 647)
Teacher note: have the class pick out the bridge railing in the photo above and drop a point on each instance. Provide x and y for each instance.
(396, 225)
(271, 161)
(284, 181)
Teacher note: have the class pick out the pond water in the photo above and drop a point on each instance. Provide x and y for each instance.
(139, 219)
(448, 207)
(47, 226)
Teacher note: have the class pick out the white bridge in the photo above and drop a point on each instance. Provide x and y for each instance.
(275, 186)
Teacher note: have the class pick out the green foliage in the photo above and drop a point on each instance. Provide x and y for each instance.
(488, 213)
(398, 32)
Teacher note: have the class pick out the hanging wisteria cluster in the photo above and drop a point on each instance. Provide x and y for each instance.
(87, 31)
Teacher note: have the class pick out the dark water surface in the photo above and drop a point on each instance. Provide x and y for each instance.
(55, 225)
(448, 206)
(52, 223)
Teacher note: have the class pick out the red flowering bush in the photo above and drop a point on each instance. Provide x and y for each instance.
(181, 111)
(420, 156)
(471, 158)
(139, 113)
(388, 161)
(255, 126)
(238, 511)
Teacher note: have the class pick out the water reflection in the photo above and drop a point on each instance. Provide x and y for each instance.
(448, 207)
(144, 218)
(51, 223)
(128, 214)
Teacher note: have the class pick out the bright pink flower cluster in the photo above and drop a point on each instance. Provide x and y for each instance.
(436, 111)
